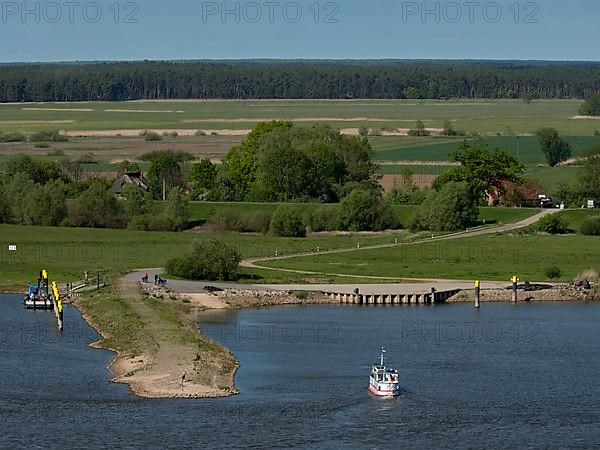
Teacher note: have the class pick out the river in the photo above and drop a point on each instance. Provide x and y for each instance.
(502, 377)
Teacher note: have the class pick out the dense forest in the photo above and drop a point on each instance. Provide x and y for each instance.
(112, 81)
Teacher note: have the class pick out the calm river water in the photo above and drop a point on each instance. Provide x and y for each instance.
(503, 377)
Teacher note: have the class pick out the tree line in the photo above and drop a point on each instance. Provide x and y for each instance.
(151, 80)
(37, 192)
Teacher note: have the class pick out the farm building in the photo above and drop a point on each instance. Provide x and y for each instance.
(126, 179)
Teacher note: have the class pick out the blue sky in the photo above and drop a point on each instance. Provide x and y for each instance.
(182, 29)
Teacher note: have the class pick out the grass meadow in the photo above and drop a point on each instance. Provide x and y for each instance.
(68, 252)
(481, 115)
(493, 257)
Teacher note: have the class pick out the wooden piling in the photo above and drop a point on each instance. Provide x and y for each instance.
(514, 280)
(477, 294)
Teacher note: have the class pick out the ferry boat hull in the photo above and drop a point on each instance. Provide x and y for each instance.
(394, 392)
(384, 381)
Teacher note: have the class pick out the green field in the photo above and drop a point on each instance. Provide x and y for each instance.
(69, 252)
(415, 169)
(526, 148)
(484, 116)
(576, 217)
(550, 178)
(487, 258)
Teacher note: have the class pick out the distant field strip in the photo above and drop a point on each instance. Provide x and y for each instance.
(136, 111)
(526, 148)
(59, 109)
(34, 122)
(485, 117)
(300, 119)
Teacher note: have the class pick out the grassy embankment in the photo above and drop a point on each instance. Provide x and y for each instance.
(494, 257)
(68, 252)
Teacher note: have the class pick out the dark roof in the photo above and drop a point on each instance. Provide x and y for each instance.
(128, 178)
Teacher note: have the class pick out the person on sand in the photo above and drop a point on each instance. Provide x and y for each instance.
(183, 374)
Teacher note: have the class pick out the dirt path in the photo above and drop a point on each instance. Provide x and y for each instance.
(157, 373)
(255, 263)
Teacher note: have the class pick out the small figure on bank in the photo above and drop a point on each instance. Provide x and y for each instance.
(155, 278)
(183, 374)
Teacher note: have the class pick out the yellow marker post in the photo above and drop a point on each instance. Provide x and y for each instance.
(477, 293)
(44, 274)
(58, 305)
(514, 280)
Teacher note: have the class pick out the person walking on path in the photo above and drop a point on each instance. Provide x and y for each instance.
(183, 374)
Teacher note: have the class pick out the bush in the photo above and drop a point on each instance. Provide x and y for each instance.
(419, 130)
(67, 223)
(47, 204)
(152, 136)
(97, 208)
(230, 219)
(365, 211)
(553, 273)
(591, 226)
(591, 107)
(402, 196)
(48, 136)
(12, 137)
(321, 218)
(553, 224)
(200, 133)
(36, 170)
(453, 208)
(177, 209)
(162, 222)
(287, 221)
(139, 223)
(210, 260)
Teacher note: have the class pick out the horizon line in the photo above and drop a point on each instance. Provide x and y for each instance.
(355, 60)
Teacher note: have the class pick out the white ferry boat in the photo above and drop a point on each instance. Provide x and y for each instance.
(384, 381)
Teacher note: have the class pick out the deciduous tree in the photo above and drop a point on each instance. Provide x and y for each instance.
(554, 147)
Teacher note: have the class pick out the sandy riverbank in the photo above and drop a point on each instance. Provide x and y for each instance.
(172, 342)
(155, 342)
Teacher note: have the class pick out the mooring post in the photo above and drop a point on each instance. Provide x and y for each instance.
(60, 315)
(477, 294)
(514, 288)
